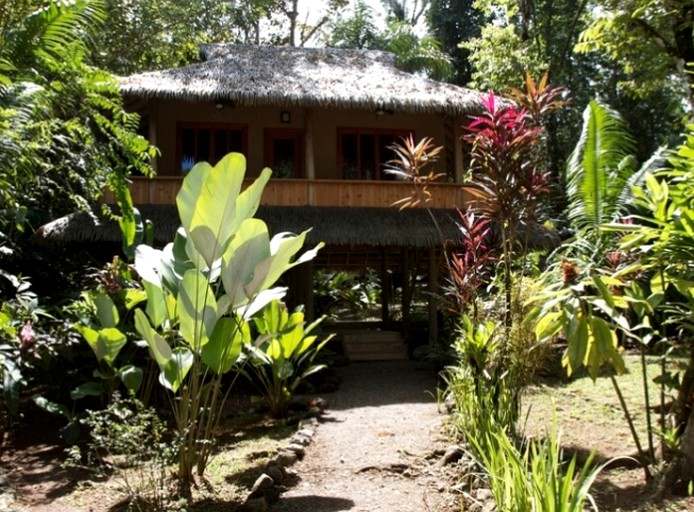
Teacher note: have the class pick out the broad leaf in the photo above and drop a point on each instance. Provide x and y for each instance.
(197, 309)
(176, 369)
(106, 310)
(224, 347)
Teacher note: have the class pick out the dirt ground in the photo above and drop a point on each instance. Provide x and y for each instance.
(377, 446)
(375, 449)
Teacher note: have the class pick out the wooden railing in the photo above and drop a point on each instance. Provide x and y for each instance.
(278, 192)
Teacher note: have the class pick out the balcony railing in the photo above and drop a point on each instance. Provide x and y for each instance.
(279, 192)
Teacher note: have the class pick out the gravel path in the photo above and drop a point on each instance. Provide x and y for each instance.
(373, 450)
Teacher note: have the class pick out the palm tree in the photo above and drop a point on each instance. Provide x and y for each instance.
(599, 174)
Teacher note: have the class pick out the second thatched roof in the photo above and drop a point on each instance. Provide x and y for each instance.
(375, 227)
(282, 76)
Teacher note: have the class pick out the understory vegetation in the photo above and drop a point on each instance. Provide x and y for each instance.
(574, 266)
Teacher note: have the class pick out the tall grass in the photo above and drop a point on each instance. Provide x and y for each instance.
(534, 477)
(523, 475)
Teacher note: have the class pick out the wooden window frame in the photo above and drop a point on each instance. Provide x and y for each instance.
(243, 128)
(298, 135)
(397, 133)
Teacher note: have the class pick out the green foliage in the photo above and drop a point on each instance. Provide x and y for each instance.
(64, 136)
(453, 23)
(651, 41)
(413, 52)
(202, 291)
(534, 476)
(483, 382)
(599, 170)
(283, 354)
(130, 440)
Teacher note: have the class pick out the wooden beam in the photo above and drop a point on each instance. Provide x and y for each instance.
(433, 291)
(310, 155)
(458, 153)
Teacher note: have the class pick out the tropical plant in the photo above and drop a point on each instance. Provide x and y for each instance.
(658, 248)
(64, 136)
(507, 181)
(413, 163)
(282, 356)
(129, 441)
(202, 292)
(535, 476)
(588, 300)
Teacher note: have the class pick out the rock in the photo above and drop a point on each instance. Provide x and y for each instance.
(254, 505)
(297, 439)
(263, 482)
(308, 422)
(305, 432)
(298, 449)
(276, 472)
(319, 402)
(452, 454)
(483, 494)
(270, 495)
(286, 458)
(314, 412)
(490, 506)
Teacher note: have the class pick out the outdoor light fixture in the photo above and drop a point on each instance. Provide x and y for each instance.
(219, 105)
(285, 117)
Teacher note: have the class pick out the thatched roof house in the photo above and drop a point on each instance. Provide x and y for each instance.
(324, 120)
(285, 77)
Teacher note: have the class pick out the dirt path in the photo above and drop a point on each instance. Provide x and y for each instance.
(373, 450)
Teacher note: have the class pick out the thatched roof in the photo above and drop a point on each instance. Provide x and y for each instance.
(282, 76)
(346, 227)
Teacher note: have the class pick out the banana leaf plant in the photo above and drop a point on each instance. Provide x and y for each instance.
(203, 290)
(283, 355)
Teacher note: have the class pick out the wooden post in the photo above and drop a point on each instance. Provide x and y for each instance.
(385, 288)
(310, 299)
(458, 145)
(406, 286)
(433, 291)
(310, 156)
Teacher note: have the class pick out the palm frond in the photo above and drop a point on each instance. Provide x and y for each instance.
(52, 28)
(599, 167)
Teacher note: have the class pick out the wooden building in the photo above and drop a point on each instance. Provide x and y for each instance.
(322, 120)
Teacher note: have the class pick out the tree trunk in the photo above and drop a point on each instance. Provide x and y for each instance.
(680, 470)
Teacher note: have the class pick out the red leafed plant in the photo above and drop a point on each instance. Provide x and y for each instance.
(468, 268)
(508, 179)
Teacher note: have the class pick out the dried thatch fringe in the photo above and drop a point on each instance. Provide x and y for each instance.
(285, 77)
(339, 227)
(376, 227)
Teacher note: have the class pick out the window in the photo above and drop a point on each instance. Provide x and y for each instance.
(363, 153)
(284, 152)
(208, 143)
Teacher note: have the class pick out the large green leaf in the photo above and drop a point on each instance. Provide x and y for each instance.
(250, 246)
(197, 309)
(224, 347)
(214, 217)
(191, 189)
(283, 248)
(106, 310)
(106, 343)
(158, 347)
(176, 369)
(596, 173)
(131, 376)
(156, 303)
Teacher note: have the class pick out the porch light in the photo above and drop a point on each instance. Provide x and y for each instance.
(285, 117)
